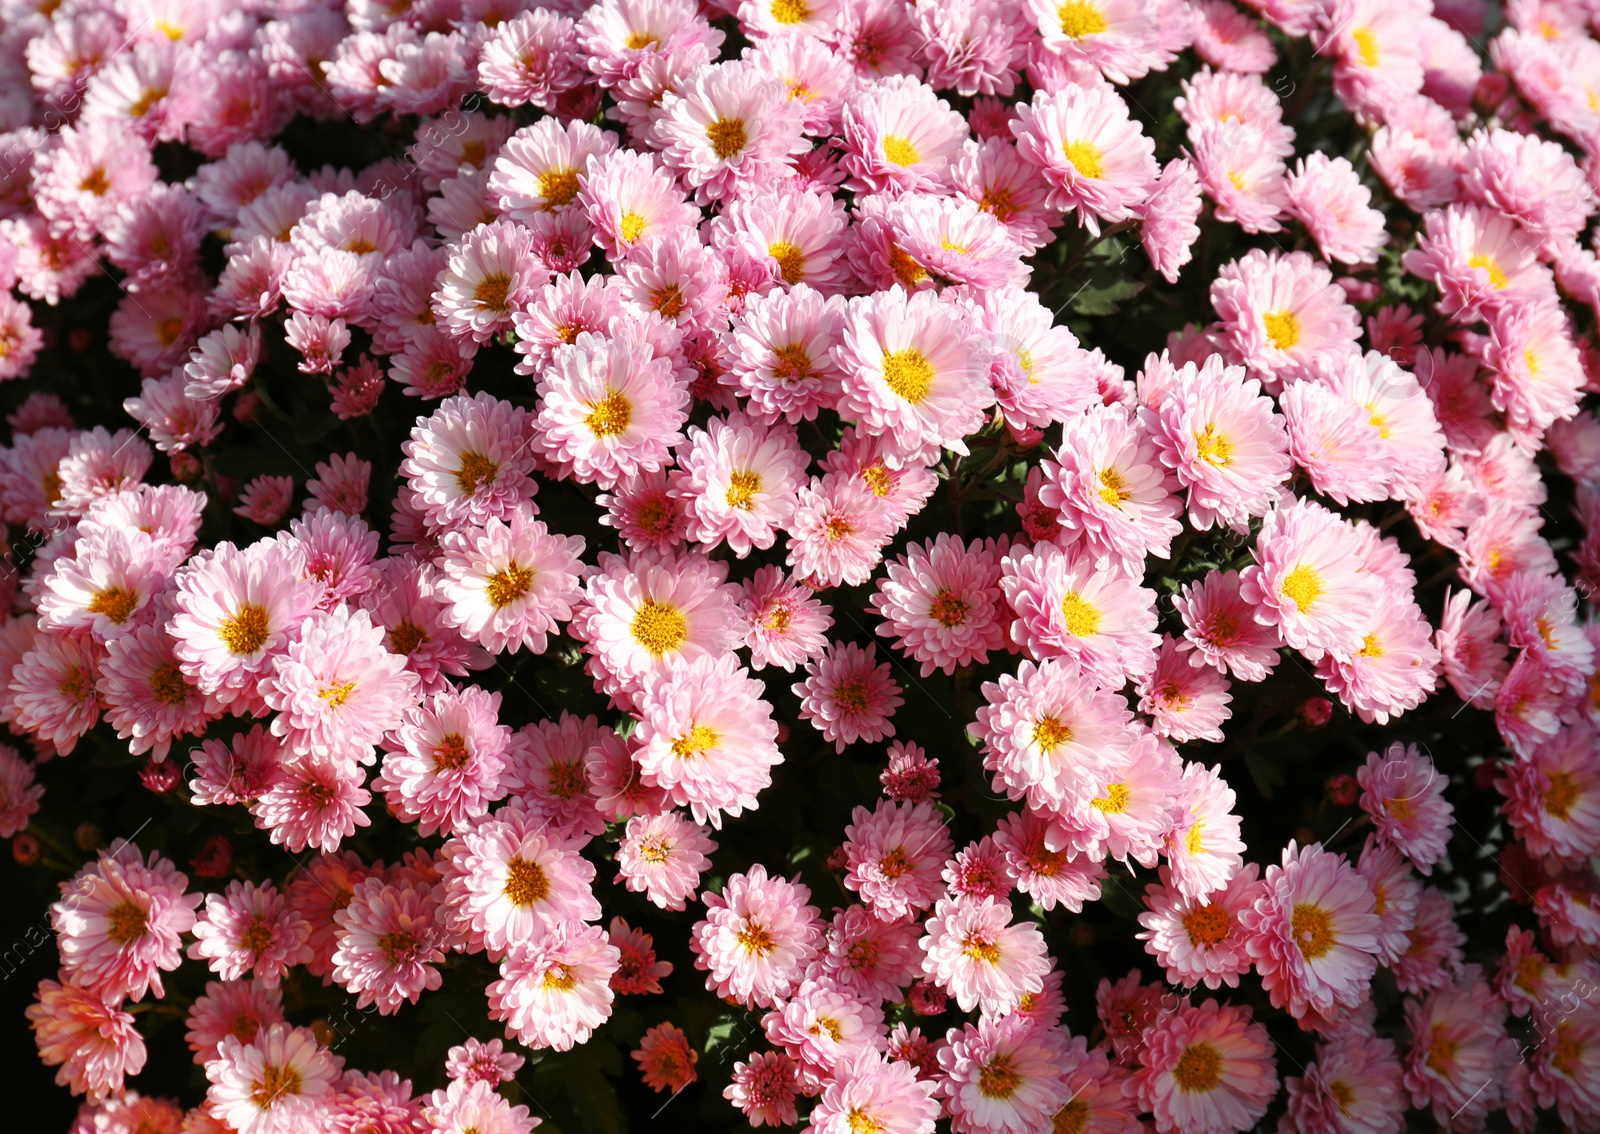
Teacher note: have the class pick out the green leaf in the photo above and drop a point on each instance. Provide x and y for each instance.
(1104, 296)
(1266, 774)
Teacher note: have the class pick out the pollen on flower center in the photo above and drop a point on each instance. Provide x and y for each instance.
(1283, 329)
(560, 978)
(507, 586)
(668, 299)
(96, 182)
(756, 939)
(450, 753)
(997, 1079)
(1366, 46)
(908, 373)
(1207, 925)
(631, 226)
(125, 923)
(900, 150)
(1082, 617)
(742, 489)
(1562, 793)
(659, 627)
(558, 187)
(1497, 275)
(1199, 1069)
(1048, 733)
(1072, 1118)
(337, 695)
(1113, 489)
(257, 935)
(837, 528)
(1080, 18)
(1085, 157)
(246, 631)
(406, 636)
(828, 1024)
(275, 1082)
(979, 949)
(492, 290)
(477, 471)
(1304, 585)
(789, 11)
(1212, 446)
(1312, 927)
(949, 610)
(609, 416)
(907, 272)
(727, 137)
(791, 261)
(116, 603)
(639, 40)
(1441, 1051)
(168, 685)
(1371, 647)
(525, 883)
(791, 363)
(698, 739)
(895, 863)
(1115, 800)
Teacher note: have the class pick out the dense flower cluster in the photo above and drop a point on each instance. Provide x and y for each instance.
(581, 452)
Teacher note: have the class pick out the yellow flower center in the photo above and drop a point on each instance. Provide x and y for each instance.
(698, 739)
(337, 695)
(997, 1079)
(276, 1082)
(1115, 800)
(558, 187)
(1207, 925)
(631, 227)
(900, 150)
(1199, 1069)
(1562, 793)
(979, 949)
(639, 40)
(727, 136)
(168, 685)
(789, 11)
(610, 415)
(791, 261)
(1312, 927)
(525, 883)
(116, 603)
(1085, 157)
(742, 489)
(1113, 489)
(560, 977)
(756, 939)
(1304, 586)
(125, 923)
(791, 363)
(907, 272)
(1283, 329)
(1080, 18)
(949, 610)
(450, 753)
(1082, 617)
(1366, 46)
(908, 373)
(1048, 733)
(1371, 647)
(659, 627)
(1213, 447)
(1491, 266)
(506, 587)
(1072, 1118)
(246, 631)
(476, 471)
(491, 291)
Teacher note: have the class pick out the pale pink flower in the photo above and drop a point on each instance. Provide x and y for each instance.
(732, 130)
(92, 1041)
(274, 1084)
(390, 938)
(509, 584)
(974, 952)
(464, 1107)
(1404, 794)
(849, 695)
(899, 136)
(251, 930)
(1206, 1070)
(479, 1062)
(1097, 160)
(784, 623)
(872, 1094)
(238, 1008)
(738, 480)
(443, 760)
(553, 992)
(764, 1089)
(663, 856)
(894, 856)
(757, 938)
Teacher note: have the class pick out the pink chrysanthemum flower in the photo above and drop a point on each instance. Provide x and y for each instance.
(666, 1061)
(1207, 1070)
(707, 737)
(764, 1089)
(1221, 626)
(443, 760)
(1479, 260)
(1310, 581)
(912, 372)
(104, 586)
(1134, 805)
(663, 856)
(876, 958)
(646, 517)
(509, 584)
(1278, 313)
(490, 273)
(628, 198)
(872, 1094)
(1537, 369)
(733, 130)
(19, 795)
(118, 923)
(540, 168)
(274, 1084)
(92, 1041)
(531, 60)
(609, 408)
(1404, 794)
(1532, 180)
(479, 1062)
(251, 930)
(1002, 1077)
(979, 870)
(1553, 796)
(1455, 1064)
(1167, 218)
(238, 1008)
(1395, 668)
(784, 360)
(1313, 932)
(1203, 849)
(1050, 735)
(940, 603)
(994, 176)
(1221, 436)
(894, 856)
(823, 1025)
(757, 938)
(546, 769)
(840, 529)
(974, 952)
(899, 136)
(1042, 862)
(1109, 485)
(313, 804)
(738, 479)
(1354, 1084)
(234, 611)
(1039, 373)
(784, 623)
(266, 500)
(646, 612)
(336, 688)
(468, 461)
(911, 777)
(797, 235)
(464, 1107)
(1072, 606)
(390, 939)
(513, 879)
(849, 695)
(1119, 38)
(553, 992)
(1327, 197)
(1332, 437)
(1200, 940)
(1099, 163)
(1184, 702)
